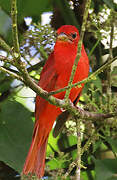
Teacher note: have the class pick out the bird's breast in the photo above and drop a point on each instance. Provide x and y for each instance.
(64, 57)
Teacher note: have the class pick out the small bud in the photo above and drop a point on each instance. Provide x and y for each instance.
(16, 55)
(79, 86)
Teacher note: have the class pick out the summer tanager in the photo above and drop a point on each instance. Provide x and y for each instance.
(55, 75)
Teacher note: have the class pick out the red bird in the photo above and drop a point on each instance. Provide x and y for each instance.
(55, 75)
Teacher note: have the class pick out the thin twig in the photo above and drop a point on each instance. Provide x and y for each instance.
(4, 45)
(72, 165)
(29, 69)
(14, 26)
(6, 59)
(28, 80)
(109, 93)
(95, 45)
(91, 77)
(36, 66)
(78, 128)
(86, 80)
(63, 117)
(21, 66)
(44, 94)
(87, 6)
(12, 74)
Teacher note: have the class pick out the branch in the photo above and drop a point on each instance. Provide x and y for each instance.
(36, 66)
(28, 80)
(109, 93)
(14, 26)
(91, 77)
(29, 69)
(65, 116)
(12, 74)
(6, 59)
(78, 129)
(4, 45)
(21, 67)
(87, 6)
(42, 93)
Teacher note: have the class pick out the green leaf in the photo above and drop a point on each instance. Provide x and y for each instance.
(27, 8)
(86, 175)
(56, 163)
(15, 133)
(5, 24)
(113, 143)
(5, 86)
(96, 145)
(52, 144)
(5, 82)
(110, 4)
(106, 169)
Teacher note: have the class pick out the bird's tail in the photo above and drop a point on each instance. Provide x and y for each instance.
(35, 161)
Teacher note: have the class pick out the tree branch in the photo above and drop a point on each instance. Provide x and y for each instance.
(36, 66)
(12, 74)
(4, 45)
(78, 129)
(14, 26)
(109, 93)
(6, 59)
(91, 77)
(65, 116)
(87, 6)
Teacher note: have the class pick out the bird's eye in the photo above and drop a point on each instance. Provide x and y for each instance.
(73, 35)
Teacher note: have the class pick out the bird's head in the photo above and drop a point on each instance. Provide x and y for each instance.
(68, 33)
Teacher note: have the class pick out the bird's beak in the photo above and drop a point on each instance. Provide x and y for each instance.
(62, 37)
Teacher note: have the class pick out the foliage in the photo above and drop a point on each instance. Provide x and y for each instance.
(13, 127)
(99, 144)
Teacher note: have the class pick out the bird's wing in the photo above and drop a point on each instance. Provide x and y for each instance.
(48, 75)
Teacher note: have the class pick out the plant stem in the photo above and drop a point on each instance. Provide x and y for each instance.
(109, 93)
(12, 74)
(6, 59)
(4, 45)
(78, 127)
(91, 77)
(14, 26)
(92, 50)
(87, 6)
(72, 165)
